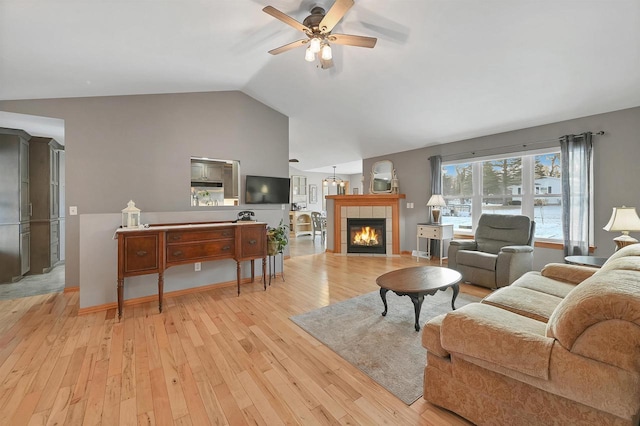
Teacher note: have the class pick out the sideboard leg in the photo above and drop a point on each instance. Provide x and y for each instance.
(238, 274)
(264, 273)
(160, 290)
(120, 296)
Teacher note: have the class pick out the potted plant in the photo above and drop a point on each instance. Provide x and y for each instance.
(277, 238)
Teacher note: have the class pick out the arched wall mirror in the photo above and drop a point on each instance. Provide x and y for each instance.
(382, 174)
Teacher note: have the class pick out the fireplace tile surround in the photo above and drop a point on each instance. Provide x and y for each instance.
(385, 206)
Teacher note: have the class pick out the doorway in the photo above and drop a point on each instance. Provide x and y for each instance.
(54, 280)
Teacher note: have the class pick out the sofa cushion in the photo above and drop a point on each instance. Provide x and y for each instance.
(477, 259)
(523, 301)
(431, 336)
(495, 335)
(535, 281)
(574, 274)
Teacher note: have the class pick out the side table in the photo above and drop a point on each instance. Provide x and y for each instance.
(595, 262)
(433, 231)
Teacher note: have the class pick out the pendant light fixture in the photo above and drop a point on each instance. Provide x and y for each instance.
(333, 179)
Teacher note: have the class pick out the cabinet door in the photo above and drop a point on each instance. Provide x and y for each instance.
(197, 171)
(25, 252)
(253, 241)
(25, 210)
(54, 195)
(227, 181)
(213, 172)
(55, 241)
(141, 253)
(303, 185)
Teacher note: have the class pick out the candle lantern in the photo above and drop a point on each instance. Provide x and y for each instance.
(131, 216)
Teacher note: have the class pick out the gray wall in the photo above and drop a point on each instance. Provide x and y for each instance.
(138, 147)
(616, 170)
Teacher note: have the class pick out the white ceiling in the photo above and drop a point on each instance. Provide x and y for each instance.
(442, 70)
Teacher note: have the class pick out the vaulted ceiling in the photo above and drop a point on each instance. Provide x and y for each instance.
(441, 70)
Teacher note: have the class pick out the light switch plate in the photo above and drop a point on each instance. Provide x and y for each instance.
(73, 210)
(198, 266)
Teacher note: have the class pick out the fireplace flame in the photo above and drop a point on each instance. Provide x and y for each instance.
(366, 237)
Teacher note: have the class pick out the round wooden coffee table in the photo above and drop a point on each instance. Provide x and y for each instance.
(418, 282)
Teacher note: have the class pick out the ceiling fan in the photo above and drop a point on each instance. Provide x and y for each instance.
(317, 27)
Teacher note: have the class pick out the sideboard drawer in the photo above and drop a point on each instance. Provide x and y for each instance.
(141, 253)
(206, 249)
(196, 235)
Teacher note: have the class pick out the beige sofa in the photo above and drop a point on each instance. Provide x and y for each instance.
(557, 347)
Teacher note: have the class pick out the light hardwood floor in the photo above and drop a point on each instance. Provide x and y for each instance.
(209, 358)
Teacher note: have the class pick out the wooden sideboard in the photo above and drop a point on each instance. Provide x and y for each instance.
(152, 250)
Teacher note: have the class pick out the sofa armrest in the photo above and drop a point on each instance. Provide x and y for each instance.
(574, 274)
(457, 245)
(517, 249)
(498, 336)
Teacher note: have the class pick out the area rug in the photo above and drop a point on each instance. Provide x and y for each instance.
(387, 349)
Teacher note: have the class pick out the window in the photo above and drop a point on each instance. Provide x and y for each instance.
(457, 189)
(501, 180)
(518, 184)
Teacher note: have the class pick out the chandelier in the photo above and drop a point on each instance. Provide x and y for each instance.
(333, 179)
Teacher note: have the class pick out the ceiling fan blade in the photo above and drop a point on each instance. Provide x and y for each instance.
(326, 63)
(334, 15)
(286, 19)
(289, 46)
(353, 40)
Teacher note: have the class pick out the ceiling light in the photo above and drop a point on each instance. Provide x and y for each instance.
(314, 45)
(326, 52)
(309, 56)
(333, 179)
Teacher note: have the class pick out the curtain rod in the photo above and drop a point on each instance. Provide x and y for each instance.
(502, 148)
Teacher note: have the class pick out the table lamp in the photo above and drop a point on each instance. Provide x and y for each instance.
(435, 202)
(623, 219)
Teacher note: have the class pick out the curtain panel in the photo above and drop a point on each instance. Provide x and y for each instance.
(577, 155)
(436, 188)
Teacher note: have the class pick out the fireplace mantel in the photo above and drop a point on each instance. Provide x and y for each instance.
(365, 200)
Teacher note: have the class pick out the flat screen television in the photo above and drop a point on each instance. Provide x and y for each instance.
(267, 190)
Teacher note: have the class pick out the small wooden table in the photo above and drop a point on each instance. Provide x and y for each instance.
(418, 282)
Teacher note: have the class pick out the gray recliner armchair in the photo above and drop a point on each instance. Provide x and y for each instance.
(501, 252)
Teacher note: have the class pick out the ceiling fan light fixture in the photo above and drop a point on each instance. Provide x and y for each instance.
(318, 27)
(314, 45)
(326, 52)
(309, 56)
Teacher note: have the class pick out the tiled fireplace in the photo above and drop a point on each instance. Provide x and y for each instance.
(368, 206)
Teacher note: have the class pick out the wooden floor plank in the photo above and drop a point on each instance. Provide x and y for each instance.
(208, 358)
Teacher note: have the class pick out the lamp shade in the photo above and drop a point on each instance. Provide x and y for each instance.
(436, 200)
(623, 219)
